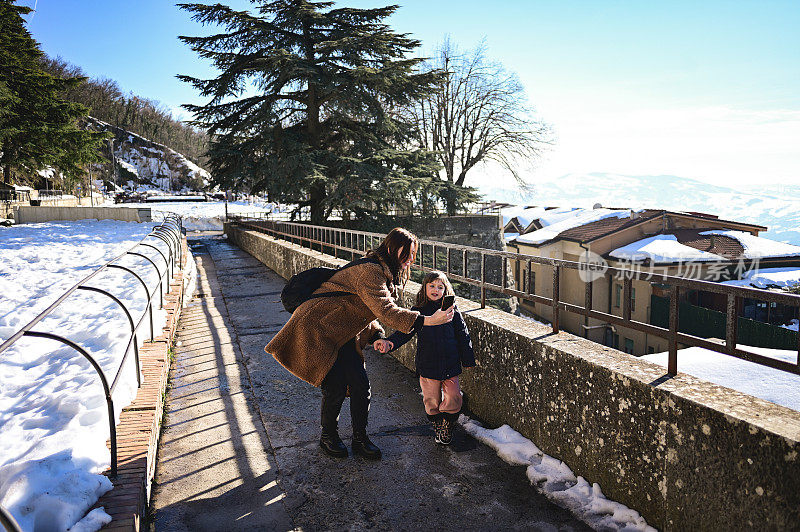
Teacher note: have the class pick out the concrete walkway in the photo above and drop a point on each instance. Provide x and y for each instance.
(240, 443)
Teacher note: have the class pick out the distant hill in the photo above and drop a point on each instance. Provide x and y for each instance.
(143, 162)
(777, 208)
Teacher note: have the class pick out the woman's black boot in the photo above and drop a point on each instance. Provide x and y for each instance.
(363, 447)
(332, 444)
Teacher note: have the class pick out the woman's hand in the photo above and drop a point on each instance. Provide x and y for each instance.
(440, 316)
(382, 346)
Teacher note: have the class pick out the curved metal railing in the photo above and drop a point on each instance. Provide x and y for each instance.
(169, 232)
(7, 520)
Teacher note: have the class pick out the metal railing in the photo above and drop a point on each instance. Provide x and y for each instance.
(7, 520)
(169, 232)
(483, 209)
(440, 256)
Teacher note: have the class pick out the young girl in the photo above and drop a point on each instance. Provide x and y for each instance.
(442, 350)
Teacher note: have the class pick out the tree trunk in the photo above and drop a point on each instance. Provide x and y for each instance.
(317, 195)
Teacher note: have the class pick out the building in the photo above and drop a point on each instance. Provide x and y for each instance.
(684, 244)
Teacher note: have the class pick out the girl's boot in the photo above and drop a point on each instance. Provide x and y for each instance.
(436, 421)
(448, 422)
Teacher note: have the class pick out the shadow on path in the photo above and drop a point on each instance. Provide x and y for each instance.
(209, 477)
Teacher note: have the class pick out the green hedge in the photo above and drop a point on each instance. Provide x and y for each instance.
(706, 323)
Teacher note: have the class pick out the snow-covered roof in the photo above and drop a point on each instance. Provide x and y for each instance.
(756, 247)
(660, 249)
(768, 278)
(556, 221)
(558, 214)
(524, 215)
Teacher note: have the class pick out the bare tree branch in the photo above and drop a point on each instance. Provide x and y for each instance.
(480, 113)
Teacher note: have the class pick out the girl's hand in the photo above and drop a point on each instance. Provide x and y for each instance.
(440, 316)
(382, 346)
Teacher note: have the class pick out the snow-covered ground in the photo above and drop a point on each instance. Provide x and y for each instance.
(753, 379)
(555, 480)
(208, 215)
(769, 278)
(53, 414)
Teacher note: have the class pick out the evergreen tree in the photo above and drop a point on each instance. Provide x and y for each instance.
(38, 127)
(305, 105)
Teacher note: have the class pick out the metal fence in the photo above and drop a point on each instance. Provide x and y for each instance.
(169, 232)
(486, 209)
(7, 520)
(433, 255)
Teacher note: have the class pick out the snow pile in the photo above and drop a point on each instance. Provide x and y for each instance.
(793, 325)
(94, 520)
(756, 247)
(556, 480)
(662, 248)
(53, 413)
(557, 221)
(767, 383)
(768, 278)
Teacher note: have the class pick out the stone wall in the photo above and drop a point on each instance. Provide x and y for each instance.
(7, 207)
(29, 215)
(685, 453)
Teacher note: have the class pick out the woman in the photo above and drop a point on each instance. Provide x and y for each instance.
(322, 341)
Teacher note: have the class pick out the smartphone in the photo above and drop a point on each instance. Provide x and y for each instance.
(448, 301)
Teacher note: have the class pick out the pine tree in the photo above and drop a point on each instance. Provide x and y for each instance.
(305, 105)
(38, 127)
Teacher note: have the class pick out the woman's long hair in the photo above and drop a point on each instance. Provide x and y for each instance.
(431, 276)
(397, 239)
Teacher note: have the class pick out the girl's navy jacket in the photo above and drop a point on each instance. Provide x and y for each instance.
(442, 350)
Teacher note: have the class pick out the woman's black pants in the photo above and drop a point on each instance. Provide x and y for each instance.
(347, 371)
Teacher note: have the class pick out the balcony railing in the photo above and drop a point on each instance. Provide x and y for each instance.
(433, 255)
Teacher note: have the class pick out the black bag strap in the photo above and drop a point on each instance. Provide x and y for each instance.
(363, 260)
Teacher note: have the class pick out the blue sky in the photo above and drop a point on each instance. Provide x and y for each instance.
(707, 90)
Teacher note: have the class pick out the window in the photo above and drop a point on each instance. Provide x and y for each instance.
(615, 341)
(629, 346)
(617, 295)
(650, 350)
(633, 299)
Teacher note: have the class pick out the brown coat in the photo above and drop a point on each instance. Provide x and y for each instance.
(309, 342)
